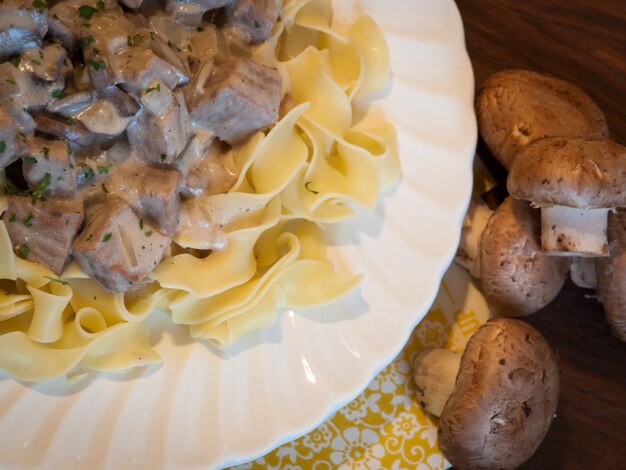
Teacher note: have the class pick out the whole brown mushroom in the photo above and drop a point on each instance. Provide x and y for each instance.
(516, 278)
(517, 107)
(575, 182)
(503, 400)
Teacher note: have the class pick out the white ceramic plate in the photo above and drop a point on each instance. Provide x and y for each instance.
(203, 409)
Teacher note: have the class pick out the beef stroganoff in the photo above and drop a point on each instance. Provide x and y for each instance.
(182, 157)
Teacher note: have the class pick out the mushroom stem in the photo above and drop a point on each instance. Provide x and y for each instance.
(567, 231)
(582, 272)
(468, 252)
(434, 374)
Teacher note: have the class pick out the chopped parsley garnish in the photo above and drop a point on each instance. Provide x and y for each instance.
(23, 251)
(163, 157)
(28, 220)
(149, 233)
(3, 146)
(13, 218)
(309, 189)
(88, 40)
(141, 224)
(173, 46)
(30, 159)
(100, 5)
(60, 281)
(107, 236)
(199, 29)
(45, 182)
(85, 11)
(69, 121)
(98, 65)
(89, 173)
(104, 169)
(156, 88)
(69, 152)
(189, 47)
(135, 40)
(15, 61)
(45, 151)
(71, 166)
(35, 62)
(58, 94)
(257, 24)
(11, 81)
(96, 50)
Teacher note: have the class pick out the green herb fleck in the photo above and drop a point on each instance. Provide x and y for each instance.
(189, 47)
(39, 4)
(30, 159)
(69, 121)
(45, 182)
(28, 220)
(23, 251)
(257, 24)
(149, 233)
(89, 173)
(11, 81)
(309, 189)
(104, 169)
(35, 62)
(85, 11)
(163, 157)
(58, 94)
(199, 29)
(15, 61)
(141, 224)
(71, 166)
(13, 218)
(3, 146)
(88, 40)
(107, 236)
(59, 178)
(156, 88)
(96, 50)
(100, 5)
(60, 281)
(98, 65)
(45, 151)
(69, 152)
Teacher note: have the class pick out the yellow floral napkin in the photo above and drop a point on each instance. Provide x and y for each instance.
(384, 428)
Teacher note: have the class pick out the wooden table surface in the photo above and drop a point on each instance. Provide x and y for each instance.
(582, 41)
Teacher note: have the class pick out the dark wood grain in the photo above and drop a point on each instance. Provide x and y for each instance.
(582, 41)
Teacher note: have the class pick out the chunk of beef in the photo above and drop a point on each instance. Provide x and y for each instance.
(43, 230)
(70, 130)
(117, 249)
(22, 24)
(12, 144)
(151, 191)
(136, 68)
(160, 139)
(49, 167)
(241, 98)
(256, 18)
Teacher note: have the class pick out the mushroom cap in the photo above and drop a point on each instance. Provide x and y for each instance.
(612, 275)
(517, 107)
(517, 278)
(506, 395)
(579, 173)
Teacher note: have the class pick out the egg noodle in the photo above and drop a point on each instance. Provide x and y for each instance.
(312, 168)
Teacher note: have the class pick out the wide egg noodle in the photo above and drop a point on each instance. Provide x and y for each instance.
(49, 312)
